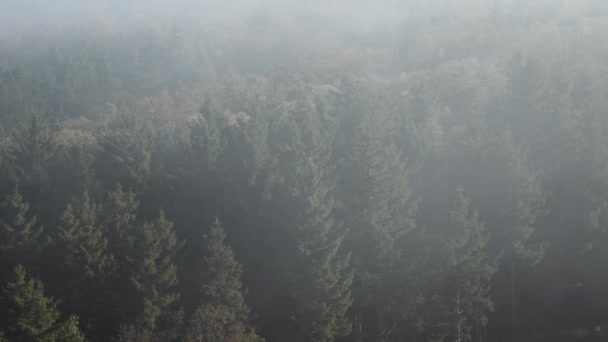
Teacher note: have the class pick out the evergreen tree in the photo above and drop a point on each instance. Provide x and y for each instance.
(84, 241)
(5, 162)
(153, 275)
(508, 195)
(87, 263)
(117, 218)
(118, 215)
(19, 234)
(379, 210)
(33, 147)
(315, 264)
(194, 175)
(125, 153)
(31, 316)
(222, 274)
(461, 305)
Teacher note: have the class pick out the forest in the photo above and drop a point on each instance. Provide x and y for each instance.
(303, 171)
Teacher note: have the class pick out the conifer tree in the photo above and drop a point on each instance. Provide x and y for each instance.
(31, 316)
(34, 146)
(315, 262)
(88, 265)
(379, 210)
(461, 306)
(153, 275)
(125, 153)
(118, 215)
(509, 197)
(192, 177)
(222, 274)
(18, 232)
(84, 241)
(5, 161)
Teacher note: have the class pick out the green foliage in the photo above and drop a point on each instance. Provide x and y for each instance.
(19, 233)
(33, 147)
(18, 225)
(222, 274)
(119, 216)
(379, 209)
(462, 302)
(153, 275)
(85, 242)
(331, 148)
(88, 266)
(125, 152)
(322, 284)
(31, 316)
(211, 323)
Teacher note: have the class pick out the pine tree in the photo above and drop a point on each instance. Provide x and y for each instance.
(5, 161)
(31, 316)
(461, 306)
(379, 210)
(153, 275)
(34, 146)
(316, 266)
(84, 241)
(117, 218)
(510, 199)
(88, 265)
(18, 231)
(222, 274)
(194, 175)
(125, 153)
(118, 215)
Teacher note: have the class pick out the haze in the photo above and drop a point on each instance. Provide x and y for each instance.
(303, 171)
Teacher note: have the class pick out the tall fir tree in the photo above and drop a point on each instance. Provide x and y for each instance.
(34, 145)
(125, 153)
(315, 264)
(460, 306)
(19, 233)
(84, 241)
(87, 263)
(379, 210)
(28, 315)
(153, 275)
(509, 197)
(221, 276)
(117, 217)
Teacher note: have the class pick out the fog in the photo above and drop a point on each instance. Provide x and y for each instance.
(295, 171)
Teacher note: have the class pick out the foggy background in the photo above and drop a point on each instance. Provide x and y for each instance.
(284, 170)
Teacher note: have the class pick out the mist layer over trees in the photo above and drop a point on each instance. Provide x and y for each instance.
(298, 171)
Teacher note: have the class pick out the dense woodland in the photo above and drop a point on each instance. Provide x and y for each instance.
(290, 171)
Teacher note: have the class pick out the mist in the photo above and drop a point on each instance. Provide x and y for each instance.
(303, 171)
